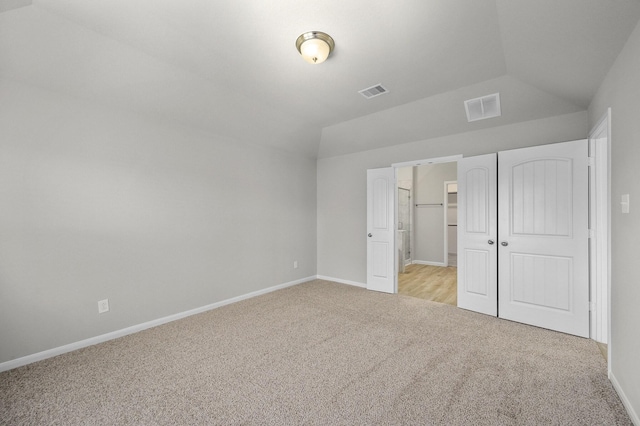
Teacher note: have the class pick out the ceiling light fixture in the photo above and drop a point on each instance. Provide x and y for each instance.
(315, 46)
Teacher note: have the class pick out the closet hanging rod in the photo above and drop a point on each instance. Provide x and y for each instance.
(431, 204)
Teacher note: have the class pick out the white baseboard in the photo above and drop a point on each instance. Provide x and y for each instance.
(338, 280)
(426, 262)
(19, 362)
(625, 401)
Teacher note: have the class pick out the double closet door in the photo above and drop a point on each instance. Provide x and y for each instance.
(523, 236)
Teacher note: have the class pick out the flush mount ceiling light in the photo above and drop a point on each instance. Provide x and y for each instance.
(315, 46)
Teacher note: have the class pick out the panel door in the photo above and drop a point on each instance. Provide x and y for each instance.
(543, 234)
(477, 232)
(381, 275)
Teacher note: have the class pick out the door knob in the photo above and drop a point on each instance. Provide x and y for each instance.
(370, 235)
(490, 242)
(504, 243)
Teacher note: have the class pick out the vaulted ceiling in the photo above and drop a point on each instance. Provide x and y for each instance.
(231, 67)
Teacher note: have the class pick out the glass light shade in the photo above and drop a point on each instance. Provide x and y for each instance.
(315, 51)
(315, 46)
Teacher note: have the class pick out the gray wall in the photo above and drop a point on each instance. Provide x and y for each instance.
(158, 218)
(621, 91)
(429, 229)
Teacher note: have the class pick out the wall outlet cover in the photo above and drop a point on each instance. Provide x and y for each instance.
(103, 306)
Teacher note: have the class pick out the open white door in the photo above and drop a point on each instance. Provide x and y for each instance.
(381, 274)
(543, 235)
(477, 223)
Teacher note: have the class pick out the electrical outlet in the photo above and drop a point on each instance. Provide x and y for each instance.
(103, 306)
(295, 264)
(624, 204)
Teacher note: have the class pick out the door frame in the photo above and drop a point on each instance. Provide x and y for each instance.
(436, 160)
(396, 166)
(600, 222)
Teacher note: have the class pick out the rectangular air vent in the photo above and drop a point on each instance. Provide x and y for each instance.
(483, 107)
(373, 91)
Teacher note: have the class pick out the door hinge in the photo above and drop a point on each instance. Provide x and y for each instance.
(592, 233)
(591, 161)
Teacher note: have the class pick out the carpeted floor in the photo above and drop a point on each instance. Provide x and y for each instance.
(322, 353)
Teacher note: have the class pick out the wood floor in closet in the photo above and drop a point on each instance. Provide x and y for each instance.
(435, 283)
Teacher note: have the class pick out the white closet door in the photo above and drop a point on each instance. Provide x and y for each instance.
(381, 275)
(543, 235)
(477, 245)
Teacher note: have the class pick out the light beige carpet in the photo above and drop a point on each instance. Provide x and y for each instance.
(322, 353)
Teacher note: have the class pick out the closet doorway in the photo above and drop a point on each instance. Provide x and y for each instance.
(427, 231)
(524, 236)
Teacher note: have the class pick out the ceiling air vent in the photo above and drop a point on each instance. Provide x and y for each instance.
(373, 91)
(484, 107)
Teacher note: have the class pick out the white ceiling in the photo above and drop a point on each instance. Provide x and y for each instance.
(231, 67)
